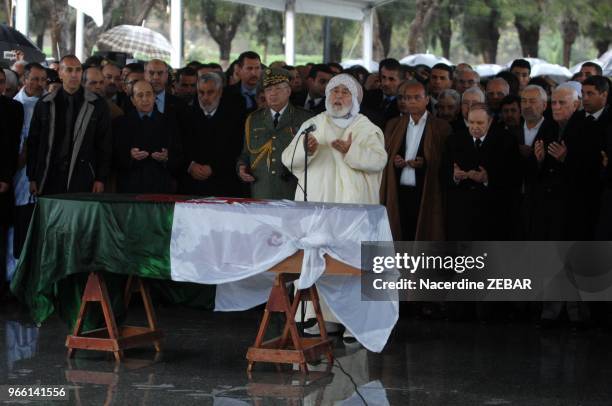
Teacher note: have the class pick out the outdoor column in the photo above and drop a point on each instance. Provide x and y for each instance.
(78, 39)
(22, 13)
(367, 37)
(176, 33)
(290, 32)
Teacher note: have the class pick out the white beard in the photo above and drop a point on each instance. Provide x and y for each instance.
(341, 112)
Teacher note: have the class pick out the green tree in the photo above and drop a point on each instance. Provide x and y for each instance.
(528, 16)
(426, 11)
(389, 16)
(269, 26)
(222, 19)
(481, 28)
(599, 30)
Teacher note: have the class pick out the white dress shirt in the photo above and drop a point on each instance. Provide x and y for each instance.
(414, 133)
(596, 114)
(281, 112)
(530, 133)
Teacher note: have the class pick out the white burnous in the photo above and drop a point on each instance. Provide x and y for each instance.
(346, 151)
(346, 156)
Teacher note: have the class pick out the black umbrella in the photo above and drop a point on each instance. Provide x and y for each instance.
(11, 40)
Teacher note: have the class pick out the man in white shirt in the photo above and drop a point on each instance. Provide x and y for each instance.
(35, 77)
(411, 188)
(533, 103)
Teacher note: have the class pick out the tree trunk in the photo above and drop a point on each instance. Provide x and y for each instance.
(8, 10)
(60, 29)
(225, 49)
(426, 10)
(602, 46)
(335, 50)
(382, 35)
(569, 29)
(336, 42)
(492, 39)
(222, 31)
(444, 36)
(529, 37)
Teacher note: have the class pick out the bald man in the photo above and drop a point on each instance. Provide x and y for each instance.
(69, 150)
(147, 146)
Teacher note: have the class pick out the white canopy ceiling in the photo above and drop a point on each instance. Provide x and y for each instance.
(349, 9)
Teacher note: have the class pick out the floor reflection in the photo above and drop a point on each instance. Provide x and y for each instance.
(21, 340)
(425, 363)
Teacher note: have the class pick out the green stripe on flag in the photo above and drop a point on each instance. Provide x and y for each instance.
(74, 234)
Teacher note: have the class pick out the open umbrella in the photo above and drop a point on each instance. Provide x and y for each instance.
(576, 68)
(486, 70)
(549, 69)
(532, 61)
(424, 59)
(606, 63)
(134, 39)
(352, 62)
(11, 40)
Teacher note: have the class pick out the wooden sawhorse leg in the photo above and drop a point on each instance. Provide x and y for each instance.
(112, 338)
(289, 348)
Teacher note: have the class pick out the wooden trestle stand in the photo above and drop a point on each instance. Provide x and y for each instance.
(290, 348)
(112, 338)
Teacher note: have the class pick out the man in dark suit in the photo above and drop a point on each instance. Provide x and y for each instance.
(510, 114)
(480, 169)
(185, 85)
(469, 98)
(535, 126)
(147, 147)
(133, 75)
(314, 99)
(244, 93)
(213, 143)
(383, 101)
(586, 135)
(156, 73)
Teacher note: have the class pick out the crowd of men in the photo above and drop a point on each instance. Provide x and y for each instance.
(451, 155)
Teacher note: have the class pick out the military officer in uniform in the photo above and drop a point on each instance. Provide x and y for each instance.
(268, 131)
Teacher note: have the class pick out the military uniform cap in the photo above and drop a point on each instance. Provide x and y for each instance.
(274, 76)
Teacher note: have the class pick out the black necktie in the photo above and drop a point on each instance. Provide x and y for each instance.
(276, 117)
(478, 143)
(590, 118)
(146, 117)
(387, 102)
(311, 104)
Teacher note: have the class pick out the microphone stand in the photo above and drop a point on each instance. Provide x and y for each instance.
(303, 302)
(306, 165)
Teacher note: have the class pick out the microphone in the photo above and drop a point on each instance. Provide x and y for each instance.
(309, 129)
